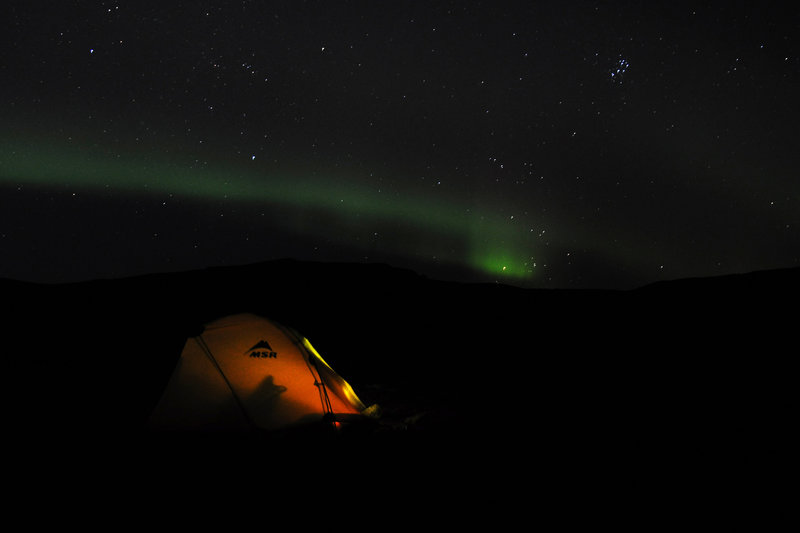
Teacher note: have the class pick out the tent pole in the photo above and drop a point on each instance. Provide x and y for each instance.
(207, 350)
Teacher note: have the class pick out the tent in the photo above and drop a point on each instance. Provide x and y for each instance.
(247, 372)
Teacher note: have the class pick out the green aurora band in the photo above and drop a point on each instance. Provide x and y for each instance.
(459, 235)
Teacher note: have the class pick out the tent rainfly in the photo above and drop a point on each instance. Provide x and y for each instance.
(247, 372)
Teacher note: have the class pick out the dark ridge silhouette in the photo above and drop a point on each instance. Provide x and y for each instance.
(686, 371)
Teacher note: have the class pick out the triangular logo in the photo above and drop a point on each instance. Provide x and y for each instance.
(262, 350)
(261, 345)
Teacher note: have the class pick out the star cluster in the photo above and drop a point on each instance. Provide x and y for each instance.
(544, 144)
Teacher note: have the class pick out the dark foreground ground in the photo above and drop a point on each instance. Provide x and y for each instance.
(574, 403)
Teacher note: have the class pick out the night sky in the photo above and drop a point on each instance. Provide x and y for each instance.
(542, 144)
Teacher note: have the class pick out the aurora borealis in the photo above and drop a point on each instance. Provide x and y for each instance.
(577, 144)
(297, 202)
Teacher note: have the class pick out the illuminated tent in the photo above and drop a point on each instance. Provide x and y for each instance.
(247, 372)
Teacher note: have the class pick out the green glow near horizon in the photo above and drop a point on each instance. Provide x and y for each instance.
(481, 240)
(504, 265)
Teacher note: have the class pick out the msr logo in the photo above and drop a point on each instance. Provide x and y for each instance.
(262, 350)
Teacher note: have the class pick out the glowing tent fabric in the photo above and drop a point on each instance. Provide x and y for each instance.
(247, 372)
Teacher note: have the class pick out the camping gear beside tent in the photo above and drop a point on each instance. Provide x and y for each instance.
(248, 372)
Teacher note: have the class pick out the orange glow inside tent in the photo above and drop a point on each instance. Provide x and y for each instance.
(248, 372)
